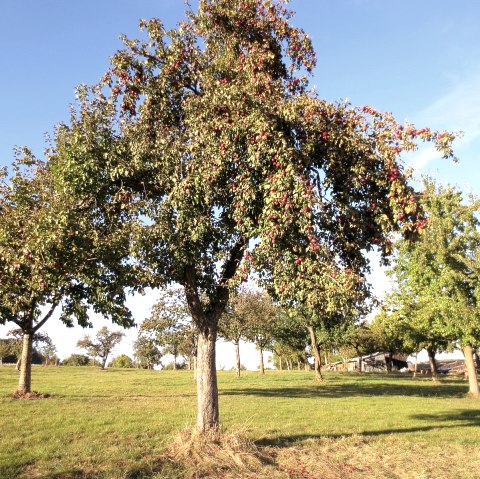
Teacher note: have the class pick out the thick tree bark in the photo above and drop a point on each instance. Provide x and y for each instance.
(316, 354)
(433, 363)
(262, 365)
(25, 381)
(473, 389)
(207, 389)
(237, 357)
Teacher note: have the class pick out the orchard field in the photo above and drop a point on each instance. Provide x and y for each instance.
(132, 424)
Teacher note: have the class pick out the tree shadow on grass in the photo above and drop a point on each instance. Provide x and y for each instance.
(158, 469)
(437, 422)
(368, 388)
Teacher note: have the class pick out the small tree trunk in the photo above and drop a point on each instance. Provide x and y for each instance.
(308, 366)
(473, 389)
(389, 362)
(18, 364)
(237, 356)
(415, 369)
(104, 362)
(174, 361)
(316, 354)
(25, 381)
(280, 360)
(195, 368)
(433, 363)
(262, 365)
(207, 389)
(360, 363)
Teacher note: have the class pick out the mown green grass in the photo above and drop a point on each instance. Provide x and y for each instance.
(116, 423)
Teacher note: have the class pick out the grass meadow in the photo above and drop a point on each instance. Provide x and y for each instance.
(130, 424)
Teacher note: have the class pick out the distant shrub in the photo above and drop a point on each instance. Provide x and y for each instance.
(170, 366)
(76, 360)
(122, 361)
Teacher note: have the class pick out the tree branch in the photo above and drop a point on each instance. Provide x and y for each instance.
(45, 318)
(193, 299)
(222, 292)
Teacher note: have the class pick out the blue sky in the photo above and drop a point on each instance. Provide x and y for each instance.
(419, 60)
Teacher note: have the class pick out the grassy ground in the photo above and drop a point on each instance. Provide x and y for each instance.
(119, 423)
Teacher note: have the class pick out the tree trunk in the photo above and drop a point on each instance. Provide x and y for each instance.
(195, 368)
(415, 369)
(25, 381)
(104, 362)
(174, 361)
(316, 354)
(280, 362)
(389, 362)
(18, 364)
(473, 389)
(433, 363)
(237, 356)
(360, 362)
(207, 389)
(308, 366)
(262, 365)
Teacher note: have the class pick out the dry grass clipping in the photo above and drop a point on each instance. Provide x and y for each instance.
(218, 454)
(30, 395)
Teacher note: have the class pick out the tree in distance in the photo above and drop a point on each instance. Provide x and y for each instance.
(437, 277)
(146, 352)
(210, 134)
(234, 323)
(169, 325)
(5, 350)
(53, 256)
(290, 341)
(103, 344)
(260, 314)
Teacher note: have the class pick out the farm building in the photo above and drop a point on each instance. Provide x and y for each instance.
(371, 363)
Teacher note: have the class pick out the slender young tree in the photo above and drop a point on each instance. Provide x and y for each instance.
(260, 315)
(103, 344)
(146, 352)
(233, 165)
(234, 323)
(169, 324)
